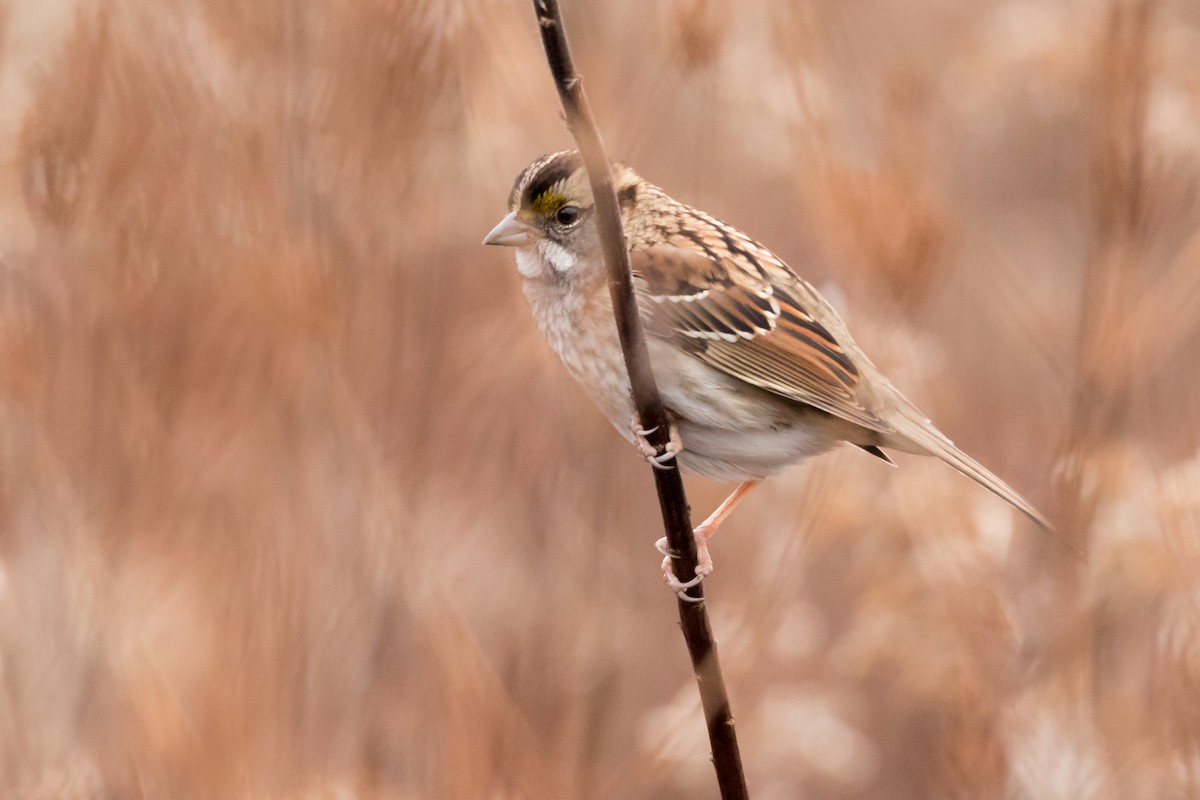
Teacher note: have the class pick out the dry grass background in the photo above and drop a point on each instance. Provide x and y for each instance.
(294, 502)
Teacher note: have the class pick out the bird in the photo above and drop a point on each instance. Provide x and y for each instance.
(755, 369)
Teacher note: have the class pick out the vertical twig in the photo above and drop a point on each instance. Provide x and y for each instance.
(693, 616)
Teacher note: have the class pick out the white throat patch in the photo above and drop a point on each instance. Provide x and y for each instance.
(545, 259)
(561, 259)
(529, 263)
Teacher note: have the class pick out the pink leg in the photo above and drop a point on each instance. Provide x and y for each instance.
(703, 533)
(706, 529)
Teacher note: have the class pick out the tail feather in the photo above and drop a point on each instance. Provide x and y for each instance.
(875, 451)
(919, 436)
(945, 450)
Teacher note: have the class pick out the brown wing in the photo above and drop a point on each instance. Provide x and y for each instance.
(735, 306)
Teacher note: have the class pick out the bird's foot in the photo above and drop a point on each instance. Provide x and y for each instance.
(704, 565)
(649, 452)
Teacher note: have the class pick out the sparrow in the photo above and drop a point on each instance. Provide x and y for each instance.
(756, 370)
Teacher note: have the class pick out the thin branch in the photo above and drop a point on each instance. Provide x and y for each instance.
(693, 616)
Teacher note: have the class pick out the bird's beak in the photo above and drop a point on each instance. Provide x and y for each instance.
(511, 232)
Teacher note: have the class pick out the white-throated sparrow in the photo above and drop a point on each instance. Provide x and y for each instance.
(755, 369)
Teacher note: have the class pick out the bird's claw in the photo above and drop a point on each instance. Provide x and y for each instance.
(704, 567)
(659, 460)
(673, 447)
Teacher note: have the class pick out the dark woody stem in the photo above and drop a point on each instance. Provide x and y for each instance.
(693, 616)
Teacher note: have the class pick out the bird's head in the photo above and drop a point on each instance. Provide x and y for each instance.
(550, 219)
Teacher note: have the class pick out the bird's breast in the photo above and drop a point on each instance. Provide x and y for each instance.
(579, 327)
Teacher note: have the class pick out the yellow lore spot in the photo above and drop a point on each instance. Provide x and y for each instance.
(548, 202)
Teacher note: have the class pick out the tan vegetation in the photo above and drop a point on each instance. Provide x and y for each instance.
(294, 502)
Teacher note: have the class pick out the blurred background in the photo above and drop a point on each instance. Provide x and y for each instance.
(295, 502)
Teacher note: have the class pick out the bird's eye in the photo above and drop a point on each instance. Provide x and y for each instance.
(567, 215)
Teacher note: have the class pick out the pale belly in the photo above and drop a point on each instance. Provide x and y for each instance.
(730, 430)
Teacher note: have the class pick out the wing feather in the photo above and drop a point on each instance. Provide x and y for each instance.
(740, 310)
